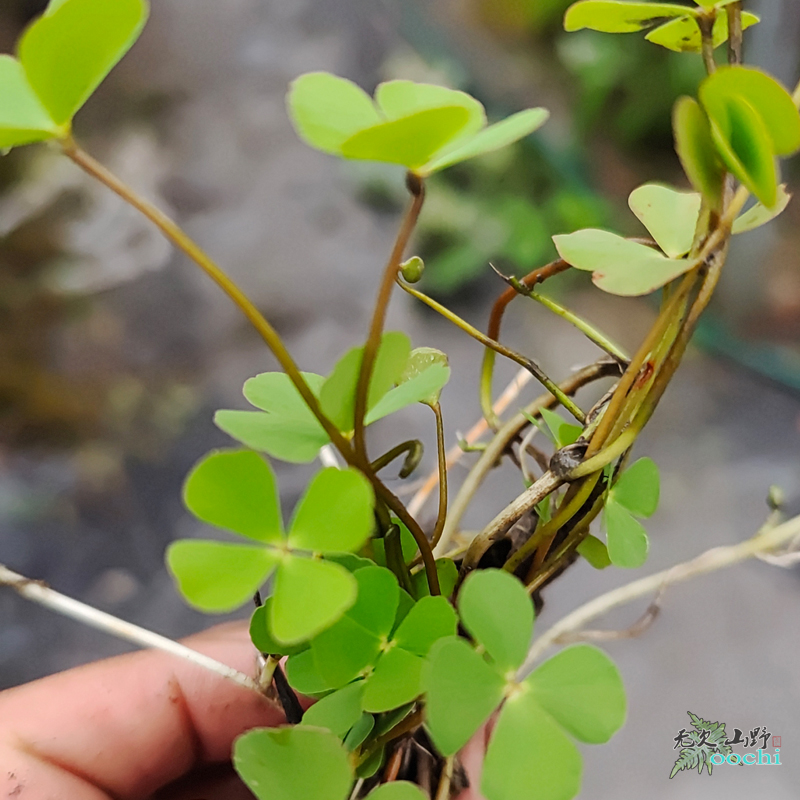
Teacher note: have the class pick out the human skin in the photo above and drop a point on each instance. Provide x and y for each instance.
(140, 726)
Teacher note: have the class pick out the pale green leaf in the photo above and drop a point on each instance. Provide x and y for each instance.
(395, 681)
(619, 266)
(683, 35)
(217, 576)
(338, 711)
(618, 16)
(23, 119)
(421, 388)
(335, 515)
(462, 691)
(293, 762)
(501, 134)
(235, 490)
(274, 392)
(525, 743)
(309, 596)
(581, 688)
(669, 215)
(595, 552)
(397, 790)
(637, 489)
(760, 215)
(68, 52)
(627, 539)
(411, 140)
(431, 619)
(327, 110)
(563, 432)
(696, 150)
(498, 613)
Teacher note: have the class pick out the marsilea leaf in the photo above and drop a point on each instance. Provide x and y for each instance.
(620, 16)
(619, 266)
(683, 34)
(669, 215)
(23, 119)
(627, 539)
(695, 147)
(760, 215)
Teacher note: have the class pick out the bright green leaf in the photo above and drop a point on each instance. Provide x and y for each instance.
(293, 762)
(397, 790)
(274, 392)
(69, 51)
(527, 742)
(309, 596)
(304, 676)
(448, 576)
(338, 711)
(411, 140)
(335, 514)
(327, 110)
(404, 606)
(337, 395)
(376, 604)
(294, 440)
(23, 119)
(617, 16)
(395, 681)
(760, 215)
(627, 538)
(495, 137)
(771, 101)
(637, 489)
(235, 490)
(563, 432)
(217, 576)
(683, 35)
(581, 688)
(350, 562)
(462, 691)
(696, 150)
(496, 610)
(595, 552)
(431, 619)
(669, 215)
(619, 266)
(385, 722)
(262, 637)
(357, 735)
(743, 142)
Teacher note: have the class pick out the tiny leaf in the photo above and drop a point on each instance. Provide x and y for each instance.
(696, 150)
(637, 489)
(683, 34)
(669, 215)
(760, 215)
(293, 762)
(595, 552)
(23, 119)
(618, 266)
(618, 16)
(357, 735)
(563, 432)
(627, 538)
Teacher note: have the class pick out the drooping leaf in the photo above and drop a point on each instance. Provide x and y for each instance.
(217, 576)
(327, 110)
(743, 142)
(338, 711)
(236, 490)
(669, 215)
(23, 119)
(495, 137)
(497, 612)
(335, 514)
(309, 596)
(409, 141)
(69, 51)
(581, 688)
(357, 735)
(683, 34)
(527, 742)
(462, 691)
(627, 538)
(760, 215)
(620, 16)
(293, 762)
(563, 432)
(385, 722)
(395, 681)
(297, 441)
(261, 634)
(771, 101)
(637, 489)
(397, 790)
(696, 150)
(337, 395)
(618, 266)
(595, 552)
(448, 576)
(431, 619)
(366, 769)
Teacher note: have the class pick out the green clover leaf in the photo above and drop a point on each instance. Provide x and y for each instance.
(236, 490)
(422, 127)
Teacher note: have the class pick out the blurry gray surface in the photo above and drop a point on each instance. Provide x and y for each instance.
(282, 219)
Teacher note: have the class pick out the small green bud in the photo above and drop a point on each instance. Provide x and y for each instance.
(412, 269)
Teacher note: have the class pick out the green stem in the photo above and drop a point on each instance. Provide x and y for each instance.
(417, 189)
(441, 455)
(179, 238)
(523, 361)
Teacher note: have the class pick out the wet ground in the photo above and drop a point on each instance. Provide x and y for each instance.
(146, 349)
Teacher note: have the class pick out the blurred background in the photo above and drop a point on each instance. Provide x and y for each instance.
(115, 351)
